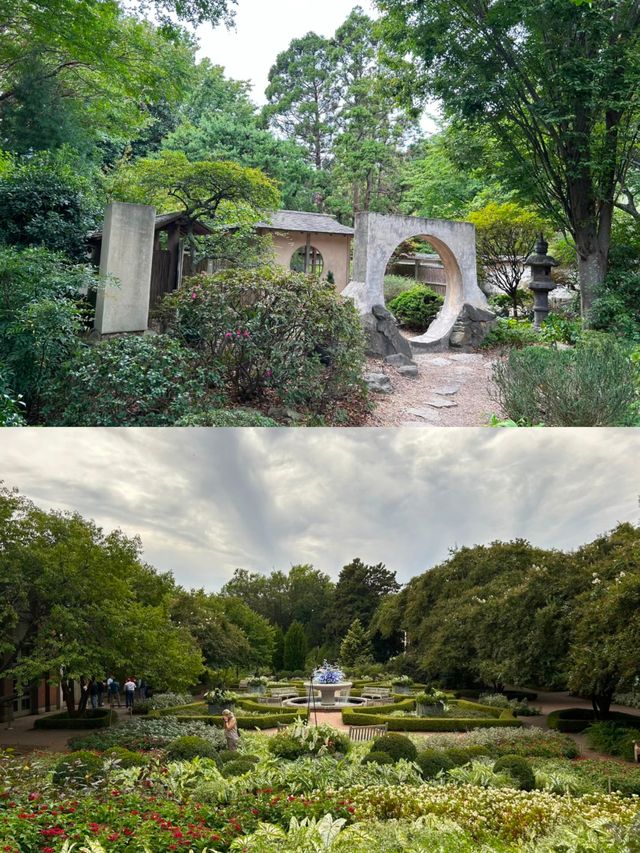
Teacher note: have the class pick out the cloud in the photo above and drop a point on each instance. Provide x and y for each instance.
(207, 501)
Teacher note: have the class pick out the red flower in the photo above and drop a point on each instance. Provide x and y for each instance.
(113, 837)
(44, 849)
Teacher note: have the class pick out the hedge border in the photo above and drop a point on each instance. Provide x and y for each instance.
(268, 719)
(562, 721)
(373, 717)
(98, 719)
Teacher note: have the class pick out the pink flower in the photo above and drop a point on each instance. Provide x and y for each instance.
(194, 295)
(228, 334)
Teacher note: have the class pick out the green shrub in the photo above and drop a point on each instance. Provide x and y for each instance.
(591, 385)
(238, 767)
(519, 769)
(396, 745)
(378, 757)
(511, 333)
(126, 757)
(417, 307)
(272, 333)
(77, 767)
(394, 285)
(190, 746)
(612, 738)
(284, 745)
(463, 755)
(431, 762)
(101, 718)
(129, 381)
(227, 418)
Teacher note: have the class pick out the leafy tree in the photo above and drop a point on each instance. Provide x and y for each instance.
(605, 620)
(278, 649)
(295, 647)
(257, 630)
(355, 648)
(505, 236)
(44, 202)
(41, 316)
(302, 97)
(216, 191)
(560, 98)
(68, 604)
(359, 591)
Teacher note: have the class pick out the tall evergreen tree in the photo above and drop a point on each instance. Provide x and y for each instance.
(295, 647)
(356, 647)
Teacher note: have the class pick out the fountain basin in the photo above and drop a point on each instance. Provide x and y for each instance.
(339, 702)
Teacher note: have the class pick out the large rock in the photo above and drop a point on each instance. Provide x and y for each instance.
(378, 382)
(382, 335)
(471, 327)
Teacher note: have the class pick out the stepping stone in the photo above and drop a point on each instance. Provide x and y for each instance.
(465, 356)
(398, 360)
(447, 390)
(438, 361)
(425, 414)
(441, 403)
(461, 368)
(408, 370)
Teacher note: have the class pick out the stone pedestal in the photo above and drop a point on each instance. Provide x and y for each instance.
(122, 303)
(328, 692)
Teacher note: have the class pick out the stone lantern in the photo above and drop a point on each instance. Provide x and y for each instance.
(541, 282)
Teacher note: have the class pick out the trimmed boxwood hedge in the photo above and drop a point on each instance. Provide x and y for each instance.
(573, 720)
(475, 693)
(101, 718)
(376, 716)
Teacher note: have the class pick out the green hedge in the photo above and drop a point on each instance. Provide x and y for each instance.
(574, 720)
(368, 717)
(265, 721)
(101, 718)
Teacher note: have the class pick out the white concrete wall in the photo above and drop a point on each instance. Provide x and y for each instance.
(122, 305)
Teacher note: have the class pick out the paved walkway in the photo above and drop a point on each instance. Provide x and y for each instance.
(24, 738)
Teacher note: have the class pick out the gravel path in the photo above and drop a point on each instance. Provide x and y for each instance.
(451, 389)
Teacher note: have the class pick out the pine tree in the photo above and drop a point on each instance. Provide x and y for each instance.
(295, 647)
(278, 649)
(356, 646)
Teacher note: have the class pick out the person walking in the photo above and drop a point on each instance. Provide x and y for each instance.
(93, 693)
(129, 692)
(114, 693)
(100, 691)
(231, 733)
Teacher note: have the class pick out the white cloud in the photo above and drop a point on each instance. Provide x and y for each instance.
(207, 501)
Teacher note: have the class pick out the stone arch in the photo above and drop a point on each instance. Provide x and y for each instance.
(376, 238)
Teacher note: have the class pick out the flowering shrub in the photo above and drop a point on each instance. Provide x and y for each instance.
(219, 696)
(511, 741)
(168, 700)
(144, 734)
(328, 674)
(272, 333)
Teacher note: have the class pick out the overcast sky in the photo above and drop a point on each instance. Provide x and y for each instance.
(207, 501)
(264, 29)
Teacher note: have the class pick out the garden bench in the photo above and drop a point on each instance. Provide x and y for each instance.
(636, 751)
(376, 693)
(362, 733)
(283, 693)
(282, 726)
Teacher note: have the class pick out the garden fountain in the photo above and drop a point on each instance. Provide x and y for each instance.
(329, 682)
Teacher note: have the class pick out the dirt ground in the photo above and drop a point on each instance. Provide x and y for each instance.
(451, 389)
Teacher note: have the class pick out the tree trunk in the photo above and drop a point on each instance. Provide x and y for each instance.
(68, 695)
(592, 268)
(514, 302)
(601, 704)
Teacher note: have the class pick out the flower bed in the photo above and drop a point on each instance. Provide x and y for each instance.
(259, 716)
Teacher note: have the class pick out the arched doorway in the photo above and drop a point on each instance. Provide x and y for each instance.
(377, 237)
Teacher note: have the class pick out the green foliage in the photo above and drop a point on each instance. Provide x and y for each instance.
(77, 768)
(126, 758)
(239, 767)
(431, 762)
(235, 320)
(512, 333)
(416, 307)
(203, 189)
(519, 769)
(99, 719)
(284, 745)
(190, 746)
(378, 757)
(44, 202)
(592, 385)
(226, 418)
(42, 312)
(396, 745)
(300, 739)
(612, 738)
(129, 381)
(295, 647)
(459, 756)
(394, 285)
(505, 236)
(355, 648)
